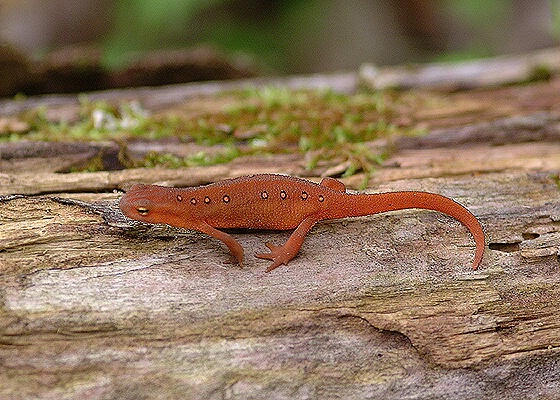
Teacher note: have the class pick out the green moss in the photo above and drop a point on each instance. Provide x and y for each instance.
(95, 121)
(556, 179)
(200, 158)
(330, 127)
(333, 126)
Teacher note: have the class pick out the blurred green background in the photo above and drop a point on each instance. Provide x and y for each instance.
(286, 36)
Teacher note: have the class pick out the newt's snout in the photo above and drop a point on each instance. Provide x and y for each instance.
(135, 204)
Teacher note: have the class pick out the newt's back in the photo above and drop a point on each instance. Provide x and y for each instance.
(255, 202)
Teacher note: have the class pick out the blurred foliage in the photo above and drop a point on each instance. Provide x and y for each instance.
(272, 31)
(143, 25)
(480, 17)
(555, 6)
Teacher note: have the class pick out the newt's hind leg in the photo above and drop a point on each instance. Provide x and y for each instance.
(283, 254)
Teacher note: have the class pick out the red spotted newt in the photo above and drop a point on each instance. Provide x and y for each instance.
(277, 202)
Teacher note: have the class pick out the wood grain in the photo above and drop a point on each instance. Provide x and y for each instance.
(95, 305)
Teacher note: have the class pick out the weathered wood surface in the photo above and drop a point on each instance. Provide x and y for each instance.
(94, 306)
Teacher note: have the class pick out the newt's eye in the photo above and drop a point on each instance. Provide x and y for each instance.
(143, 210)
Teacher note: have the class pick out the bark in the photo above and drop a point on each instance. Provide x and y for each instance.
(97, 306)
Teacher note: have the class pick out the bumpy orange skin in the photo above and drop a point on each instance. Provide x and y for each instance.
(277, 202)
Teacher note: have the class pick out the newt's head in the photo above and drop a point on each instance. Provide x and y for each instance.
(148, 203)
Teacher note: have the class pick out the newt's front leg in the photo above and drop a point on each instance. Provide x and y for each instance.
(232, 244)
(283, 254)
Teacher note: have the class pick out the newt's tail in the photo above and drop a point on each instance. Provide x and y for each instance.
(367, 204)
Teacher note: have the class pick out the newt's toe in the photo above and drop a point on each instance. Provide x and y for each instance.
(274, 265)
(277, 254)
